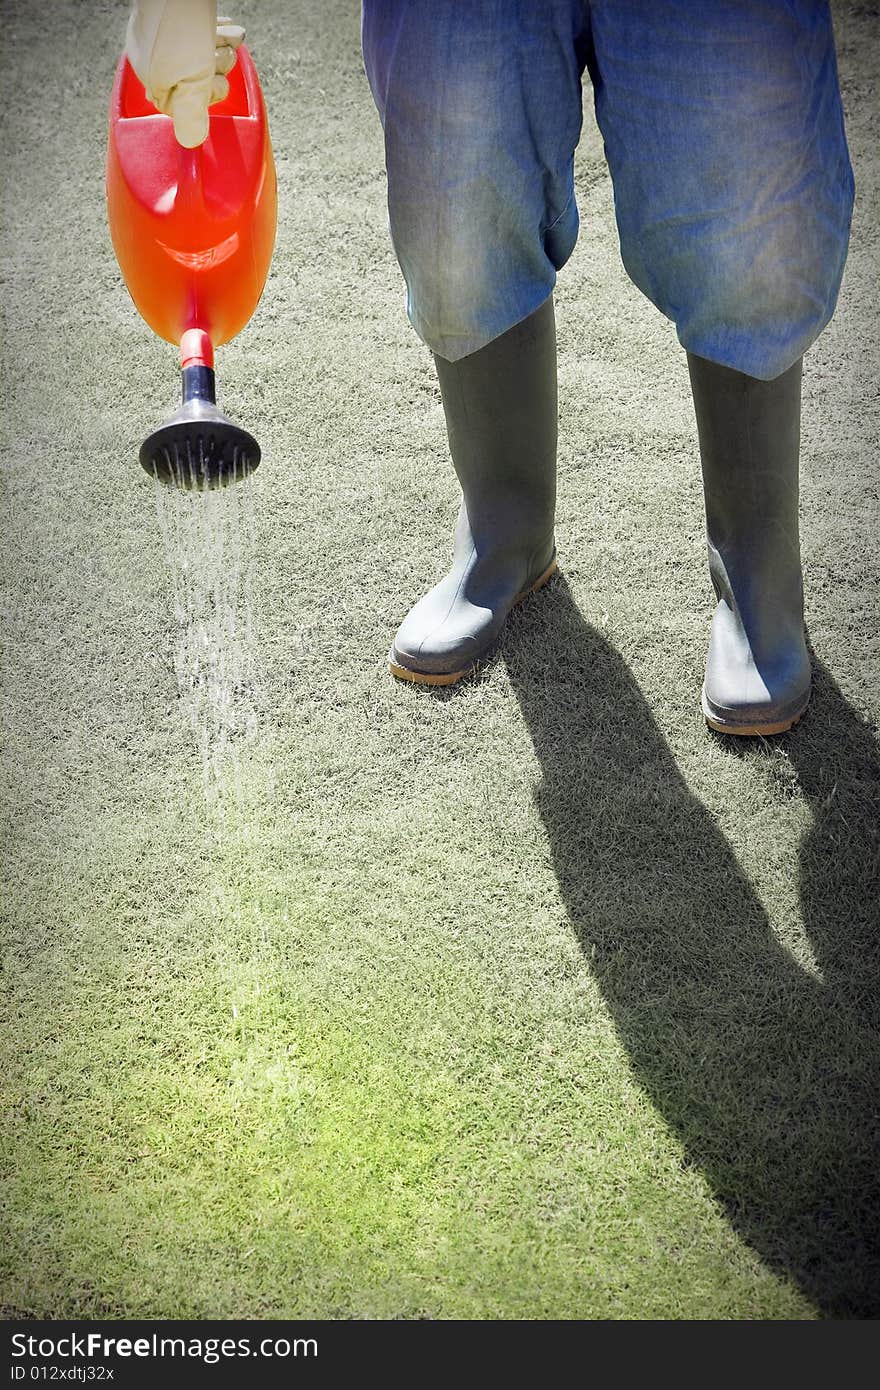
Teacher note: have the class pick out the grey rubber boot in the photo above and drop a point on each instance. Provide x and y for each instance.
(758, 670)
(500, 407)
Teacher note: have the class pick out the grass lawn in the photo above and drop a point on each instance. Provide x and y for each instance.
(527, 999)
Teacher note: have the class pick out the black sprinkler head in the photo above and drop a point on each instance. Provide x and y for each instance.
(198, 447)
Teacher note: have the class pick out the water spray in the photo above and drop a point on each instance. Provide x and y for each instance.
(193, 231)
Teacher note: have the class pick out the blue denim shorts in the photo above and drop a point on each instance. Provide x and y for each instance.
(724, 136)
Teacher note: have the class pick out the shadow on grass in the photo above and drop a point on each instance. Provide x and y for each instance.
(767, 1073)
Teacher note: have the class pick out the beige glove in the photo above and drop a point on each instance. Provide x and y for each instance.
(181, 52)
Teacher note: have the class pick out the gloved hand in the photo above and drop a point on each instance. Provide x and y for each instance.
(181, 52)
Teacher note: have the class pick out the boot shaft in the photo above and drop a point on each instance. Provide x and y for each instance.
(501, 417)
(749, 432)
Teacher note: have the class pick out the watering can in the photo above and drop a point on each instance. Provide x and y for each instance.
(193, 231)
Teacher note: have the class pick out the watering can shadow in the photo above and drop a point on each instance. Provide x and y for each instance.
(193, 231)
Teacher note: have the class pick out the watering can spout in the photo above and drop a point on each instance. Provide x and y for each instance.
(193, 231)
(199, 447)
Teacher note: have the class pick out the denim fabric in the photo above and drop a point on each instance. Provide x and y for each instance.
(724, 136)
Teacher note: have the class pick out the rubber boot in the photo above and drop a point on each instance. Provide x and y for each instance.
(500, 407)
(758, 670)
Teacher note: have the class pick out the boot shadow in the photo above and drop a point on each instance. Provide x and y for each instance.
(767, 1073)
(833, 760)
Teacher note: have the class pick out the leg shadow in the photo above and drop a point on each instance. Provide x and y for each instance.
(767, 1073)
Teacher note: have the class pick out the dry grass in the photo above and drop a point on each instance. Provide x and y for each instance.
(530, 999)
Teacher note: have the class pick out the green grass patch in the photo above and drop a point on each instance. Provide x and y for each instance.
(531, 999)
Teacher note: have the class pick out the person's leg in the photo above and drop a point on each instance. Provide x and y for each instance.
(724, 133)
(500, 406)
(758, 671)
(481, 107)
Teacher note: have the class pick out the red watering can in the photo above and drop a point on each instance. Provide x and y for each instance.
(193, 231)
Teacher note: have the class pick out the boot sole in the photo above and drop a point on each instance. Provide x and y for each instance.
(410, 673)
(754, 730)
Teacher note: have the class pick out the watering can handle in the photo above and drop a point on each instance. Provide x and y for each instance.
(182, 52)
(190, 192)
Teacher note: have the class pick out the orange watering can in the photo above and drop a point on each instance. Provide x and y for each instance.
(193, 231)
